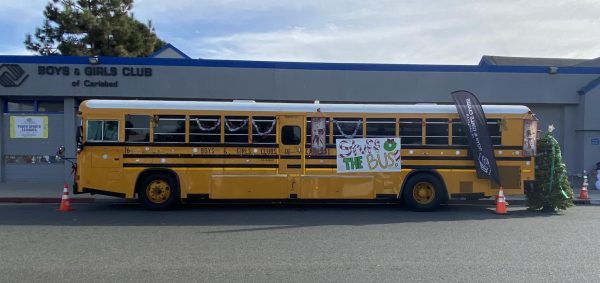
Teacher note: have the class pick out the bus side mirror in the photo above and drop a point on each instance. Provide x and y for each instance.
(79, 140)
(79, 134)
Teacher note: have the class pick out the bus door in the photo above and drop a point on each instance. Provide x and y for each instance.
(291, 144)
(106, 162)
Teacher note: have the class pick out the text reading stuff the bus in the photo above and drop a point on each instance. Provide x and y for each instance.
(368, 155)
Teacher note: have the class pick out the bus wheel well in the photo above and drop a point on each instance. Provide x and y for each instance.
(433, 174)
(150, 171)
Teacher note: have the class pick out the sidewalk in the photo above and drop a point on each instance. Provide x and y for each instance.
(52, 193)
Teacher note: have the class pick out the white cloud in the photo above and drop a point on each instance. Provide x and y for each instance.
(381, 31)
(440, 32)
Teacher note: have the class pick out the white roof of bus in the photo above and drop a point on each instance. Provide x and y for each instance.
(294, 107)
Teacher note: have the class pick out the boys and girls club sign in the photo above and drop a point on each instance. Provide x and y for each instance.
(29, 127)
(368, 155)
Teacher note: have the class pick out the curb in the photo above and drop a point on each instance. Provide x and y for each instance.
(520, 202)
(32, 200)
(88, 200)
(487, 202)
(43, 200)
(586, 202)
(58, 200)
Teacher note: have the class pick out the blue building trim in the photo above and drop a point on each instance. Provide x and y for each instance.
(169, 46)
(365, 67)
(589, 87)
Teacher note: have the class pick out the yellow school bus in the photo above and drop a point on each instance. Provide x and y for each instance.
(165, 152)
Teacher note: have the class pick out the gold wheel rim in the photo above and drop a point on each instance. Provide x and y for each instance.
(158, 191)
(423, 193)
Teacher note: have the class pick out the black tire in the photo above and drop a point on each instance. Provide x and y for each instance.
(158, 191)
(423, 192)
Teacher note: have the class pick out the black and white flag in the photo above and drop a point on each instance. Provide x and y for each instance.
(478, 134)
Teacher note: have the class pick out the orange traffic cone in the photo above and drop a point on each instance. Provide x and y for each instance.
(65, 203)
(501, 203)
(583, 194)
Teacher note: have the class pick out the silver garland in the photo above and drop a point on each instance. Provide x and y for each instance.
(358, 123)
(231, 129)
(265, 132)
(217, 124)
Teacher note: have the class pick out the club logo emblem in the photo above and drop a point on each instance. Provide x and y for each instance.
(484, 164)
(12, 75)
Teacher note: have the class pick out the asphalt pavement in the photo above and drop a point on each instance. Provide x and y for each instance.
(108, 242)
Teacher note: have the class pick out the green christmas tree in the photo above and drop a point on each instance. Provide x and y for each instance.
(552, 190)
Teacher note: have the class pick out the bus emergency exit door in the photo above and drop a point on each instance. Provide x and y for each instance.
(291, 144)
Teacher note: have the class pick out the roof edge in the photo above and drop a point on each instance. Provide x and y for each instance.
(292, 107)
(316, 66)
(169, 46)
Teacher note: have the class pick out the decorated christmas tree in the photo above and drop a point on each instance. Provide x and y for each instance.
(552, 190)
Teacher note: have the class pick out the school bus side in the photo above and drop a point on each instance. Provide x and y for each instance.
(434, 167)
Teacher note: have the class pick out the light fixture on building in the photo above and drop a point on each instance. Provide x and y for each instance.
(94, 60)
(553, 70)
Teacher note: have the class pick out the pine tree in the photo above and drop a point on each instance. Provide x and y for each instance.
(93, 27)
(552, 190)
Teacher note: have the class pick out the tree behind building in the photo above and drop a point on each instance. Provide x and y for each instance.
(93, 27)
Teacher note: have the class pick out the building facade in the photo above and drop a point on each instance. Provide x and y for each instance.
(47, 91)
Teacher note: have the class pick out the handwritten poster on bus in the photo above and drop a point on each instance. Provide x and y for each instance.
(368, 155)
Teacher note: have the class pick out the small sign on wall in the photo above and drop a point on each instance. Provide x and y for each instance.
(29, 127)
(595, 141)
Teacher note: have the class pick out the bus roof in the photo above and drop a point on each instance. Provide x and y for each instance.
(292, 107)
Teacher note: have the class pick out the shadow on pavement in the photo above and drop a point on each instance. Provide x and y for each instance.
(278, 216)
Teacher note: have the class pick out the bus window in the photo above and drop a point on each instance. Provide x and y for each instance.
(495, 127)
(347, 128)
(411, 131)
(264, 130)
(111, 131)
(436, 131)
(137, 128)
(100, 130)
(236, 129)
(290, 135)
(205, 129)
(459, 136)
(94, 130)
(381, 127)
(170, 128)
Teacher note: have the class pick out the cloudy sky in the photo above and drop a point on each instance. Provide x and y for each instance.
(378, 31)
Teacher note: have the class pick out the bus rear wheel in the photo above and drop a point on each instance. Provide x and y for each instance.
(158, 192)
(423, 192)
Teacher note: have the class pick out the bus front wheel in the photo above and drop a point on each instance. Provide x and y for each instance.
(158, 191)
(423, 192)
